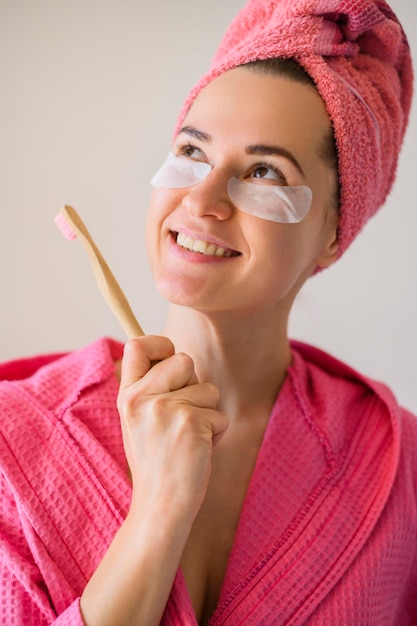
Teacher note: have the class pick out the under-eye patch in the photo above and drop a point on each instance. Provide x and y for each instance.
(286, 205)
(283, 204)
(177, 172)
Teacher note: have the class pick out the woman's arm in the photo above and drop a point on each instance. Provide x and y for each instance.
(169, 424)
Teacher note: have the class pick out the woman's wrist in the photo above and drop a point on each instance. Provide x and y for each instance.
(136, 575)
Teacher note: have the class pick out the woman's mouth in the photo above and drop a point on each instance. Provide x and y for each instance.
(203, 247)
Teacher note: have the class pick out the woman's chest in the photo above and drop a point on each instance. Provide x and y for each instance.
(205, 558)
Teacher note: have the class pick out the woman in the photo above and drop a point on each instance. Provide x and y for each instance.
(267, 482)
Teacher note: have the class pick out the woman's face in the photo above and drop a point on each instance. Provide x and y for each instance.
(262, 129)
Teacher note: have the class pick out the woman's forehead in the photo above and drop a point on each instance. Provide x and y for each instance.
(258, 105)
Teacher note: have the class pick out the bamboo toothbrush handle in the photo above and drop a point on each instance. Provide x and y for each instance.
(106, 281)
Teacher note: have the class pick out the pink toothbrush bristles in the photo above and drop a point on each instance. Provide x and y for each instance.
(64, 227)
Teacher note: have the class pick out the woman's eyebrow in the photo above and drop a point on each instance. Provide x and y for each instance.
(254, 149)
(266, 150)
(193, 132)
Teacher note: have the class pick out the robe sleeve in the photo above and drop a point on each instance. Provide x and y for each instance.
(24, 597)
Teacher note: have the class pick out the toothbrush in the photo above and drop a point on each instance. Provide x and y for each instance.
(71, 226)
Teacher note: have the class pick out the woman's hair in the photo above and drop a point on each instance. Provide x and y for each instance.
(289, 68)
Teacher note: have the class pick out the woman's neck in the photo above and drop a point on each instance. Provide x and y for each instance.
(245, 358)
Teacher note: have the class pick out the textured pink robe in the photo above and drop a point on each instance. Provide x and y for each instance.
(327, 533)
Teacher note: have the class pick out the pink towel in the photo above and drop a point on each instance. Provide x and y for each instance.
(358, 56)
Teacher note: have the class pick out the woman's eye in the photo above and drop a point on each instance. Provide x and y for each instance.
(191, 152)
(267, 172)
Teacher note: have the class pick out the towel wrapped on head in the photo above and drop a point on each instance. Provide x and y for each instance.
(357, 55)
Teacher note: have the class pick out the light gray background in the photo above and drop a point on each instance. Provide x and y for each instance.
(89, 95)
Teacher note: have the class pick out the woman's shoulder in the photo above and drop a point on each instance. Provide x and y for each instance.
(40, 390)
(319, 364)
(47, 375)
(339, 394)
(49, 402)
(19, 369)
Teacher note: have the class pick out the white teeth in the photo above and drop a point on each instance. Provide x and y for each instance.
(200, 246)
(197, 245)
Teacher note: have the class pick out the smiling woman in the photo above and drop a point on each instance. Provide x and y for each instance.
(220, 473)
(271, 120)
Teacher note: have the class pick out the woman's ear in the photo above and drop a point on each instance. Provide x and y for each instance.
(328, 254)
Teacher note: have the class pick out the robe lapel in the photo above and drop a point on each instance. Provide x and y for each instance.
(310, 507)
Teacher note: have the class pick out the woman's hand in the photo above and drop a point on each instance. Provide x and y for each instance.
(170, 424)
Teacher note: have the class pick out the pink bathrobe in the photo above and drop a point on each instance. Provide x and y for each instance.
(327, 534)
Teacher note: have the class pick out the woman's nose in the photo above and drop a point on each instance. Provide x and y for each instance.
(209, 197)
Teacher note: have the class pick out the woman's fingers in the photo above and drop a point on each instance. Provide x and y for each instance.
(139, 355)
(146, 354)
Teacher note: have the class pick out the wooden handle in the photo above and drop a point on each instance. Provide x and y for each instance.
(106, 281)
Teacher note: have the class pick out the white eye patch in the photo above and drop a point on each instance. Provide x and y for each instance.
(285, 205)
(179, 172)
